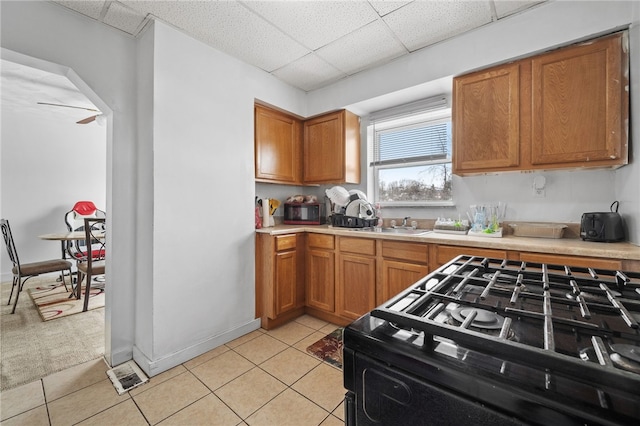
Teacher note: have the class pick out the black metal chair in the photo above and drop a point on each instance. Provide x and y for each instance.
(93, 265)
(23, 271)
(74, 219)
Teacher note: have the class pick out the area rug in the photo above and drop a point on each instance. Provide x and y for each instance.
(329, 348)
(52, 301)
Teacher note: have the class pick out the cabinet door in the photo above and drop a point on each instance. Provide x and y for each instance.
(332, 148)
(320, 290)
(579, 110)
(397, 276)
(278, 139)
(447, 253)
(577, 99)
(584, 262)
(486, 120)
(285, 280)
(356, 286)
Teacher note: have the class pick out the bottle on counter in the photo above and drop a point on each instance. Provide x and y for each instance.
(379, 220)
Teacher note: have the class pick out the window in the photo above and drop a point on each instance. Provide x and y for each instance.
(410, 154)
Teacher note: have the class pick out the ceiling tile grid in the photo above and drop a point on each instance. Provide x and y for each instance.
(309, 73)
(420, 24)
(92, 9)
(315, 24)
(383, 7)
(368, 46)
(506, 8)
(123, 18)
(308, 44)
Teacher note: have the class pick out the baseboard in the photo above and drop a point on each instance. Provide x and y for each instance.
(155, 367)
(120, 357)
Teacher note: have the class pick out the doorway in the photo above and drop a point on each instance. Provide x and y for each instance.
(44, 168)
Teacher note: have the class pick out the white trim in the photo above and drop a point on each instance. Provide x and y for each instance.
(153, 368)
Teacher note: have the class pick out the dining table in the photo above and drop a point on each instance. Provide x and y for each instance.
(63, 237)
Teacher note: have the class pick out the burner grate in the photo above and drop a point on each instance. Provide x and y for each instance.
(549, 312)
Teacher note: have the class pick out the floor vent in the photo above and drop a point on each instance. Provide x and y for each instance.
(126, 376)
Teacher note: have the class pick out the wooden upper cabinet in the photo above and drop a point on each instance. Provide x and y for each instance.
(332, 148)
(579, 111)
(278, 141)
(567, 108)
(486, 120)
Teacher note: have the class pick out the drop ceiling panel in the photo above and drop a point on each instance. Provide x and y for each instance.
(309, 73)
(315, 23)
(229, 27)
(92, 9)
(123, 18)
(366, 47)
(506, 8)
(384, 7)
(420, 24)
(290, 38)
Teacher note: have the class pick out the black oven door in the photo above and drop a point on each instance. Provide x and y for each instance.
(380, 394)
(388, 396)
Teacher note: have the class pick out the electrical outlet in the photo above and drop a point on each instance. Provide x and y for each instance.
(539, 192)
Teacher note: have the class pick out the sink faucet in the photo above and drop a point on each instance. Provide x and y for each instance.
(404, 221)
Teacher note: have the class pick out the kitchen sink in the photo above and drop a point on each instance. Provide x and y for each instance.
(399, 231)
(405, 231)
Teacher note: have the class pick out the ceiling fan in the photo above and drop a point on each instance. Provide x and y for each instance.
(84, 120)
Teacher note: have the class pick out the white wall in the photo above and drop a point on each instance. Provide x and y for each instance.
(202, 271)
(555, 23)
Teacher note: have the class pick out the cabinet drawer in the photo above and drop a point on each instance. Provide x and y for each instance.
(358, 245)
(584, 262)
(412, 252)
(285, 242)
(320, 241)
(447, 253)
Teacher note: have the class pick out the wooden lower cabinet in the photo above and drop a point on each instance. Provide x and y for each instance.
(320, 277)
(579, 261)
(441, 254)
(356, 277)
(397, 276)
(339, 279)
(279, 278)
(320, 287)
(356, 286)
(285, 283)
(401, 265)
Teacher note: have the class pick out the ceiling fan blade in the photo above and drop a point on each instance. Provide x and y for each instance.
(87, 120)
(69, 106)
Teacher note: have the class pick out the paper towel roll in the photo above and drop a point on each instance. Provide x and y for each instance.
(265, 213)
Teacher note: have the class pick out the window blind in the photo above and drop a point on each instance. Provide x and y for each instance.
(411, 144)
(410, 109)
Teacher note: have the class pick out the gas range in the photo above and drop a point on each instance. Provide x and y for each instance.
(563, 340)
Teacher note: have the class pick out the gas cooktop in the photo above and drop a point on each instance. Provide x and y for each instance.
(578, 322)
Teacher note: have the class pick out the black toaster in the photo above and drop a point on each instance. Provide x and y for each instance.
(602, 226)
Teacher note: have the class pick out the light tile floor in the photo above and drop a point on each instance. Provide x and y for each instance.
(262, 378)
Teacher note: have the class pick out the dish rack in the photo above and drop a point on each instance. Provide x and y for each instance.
(345, 221)
(448, 226)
